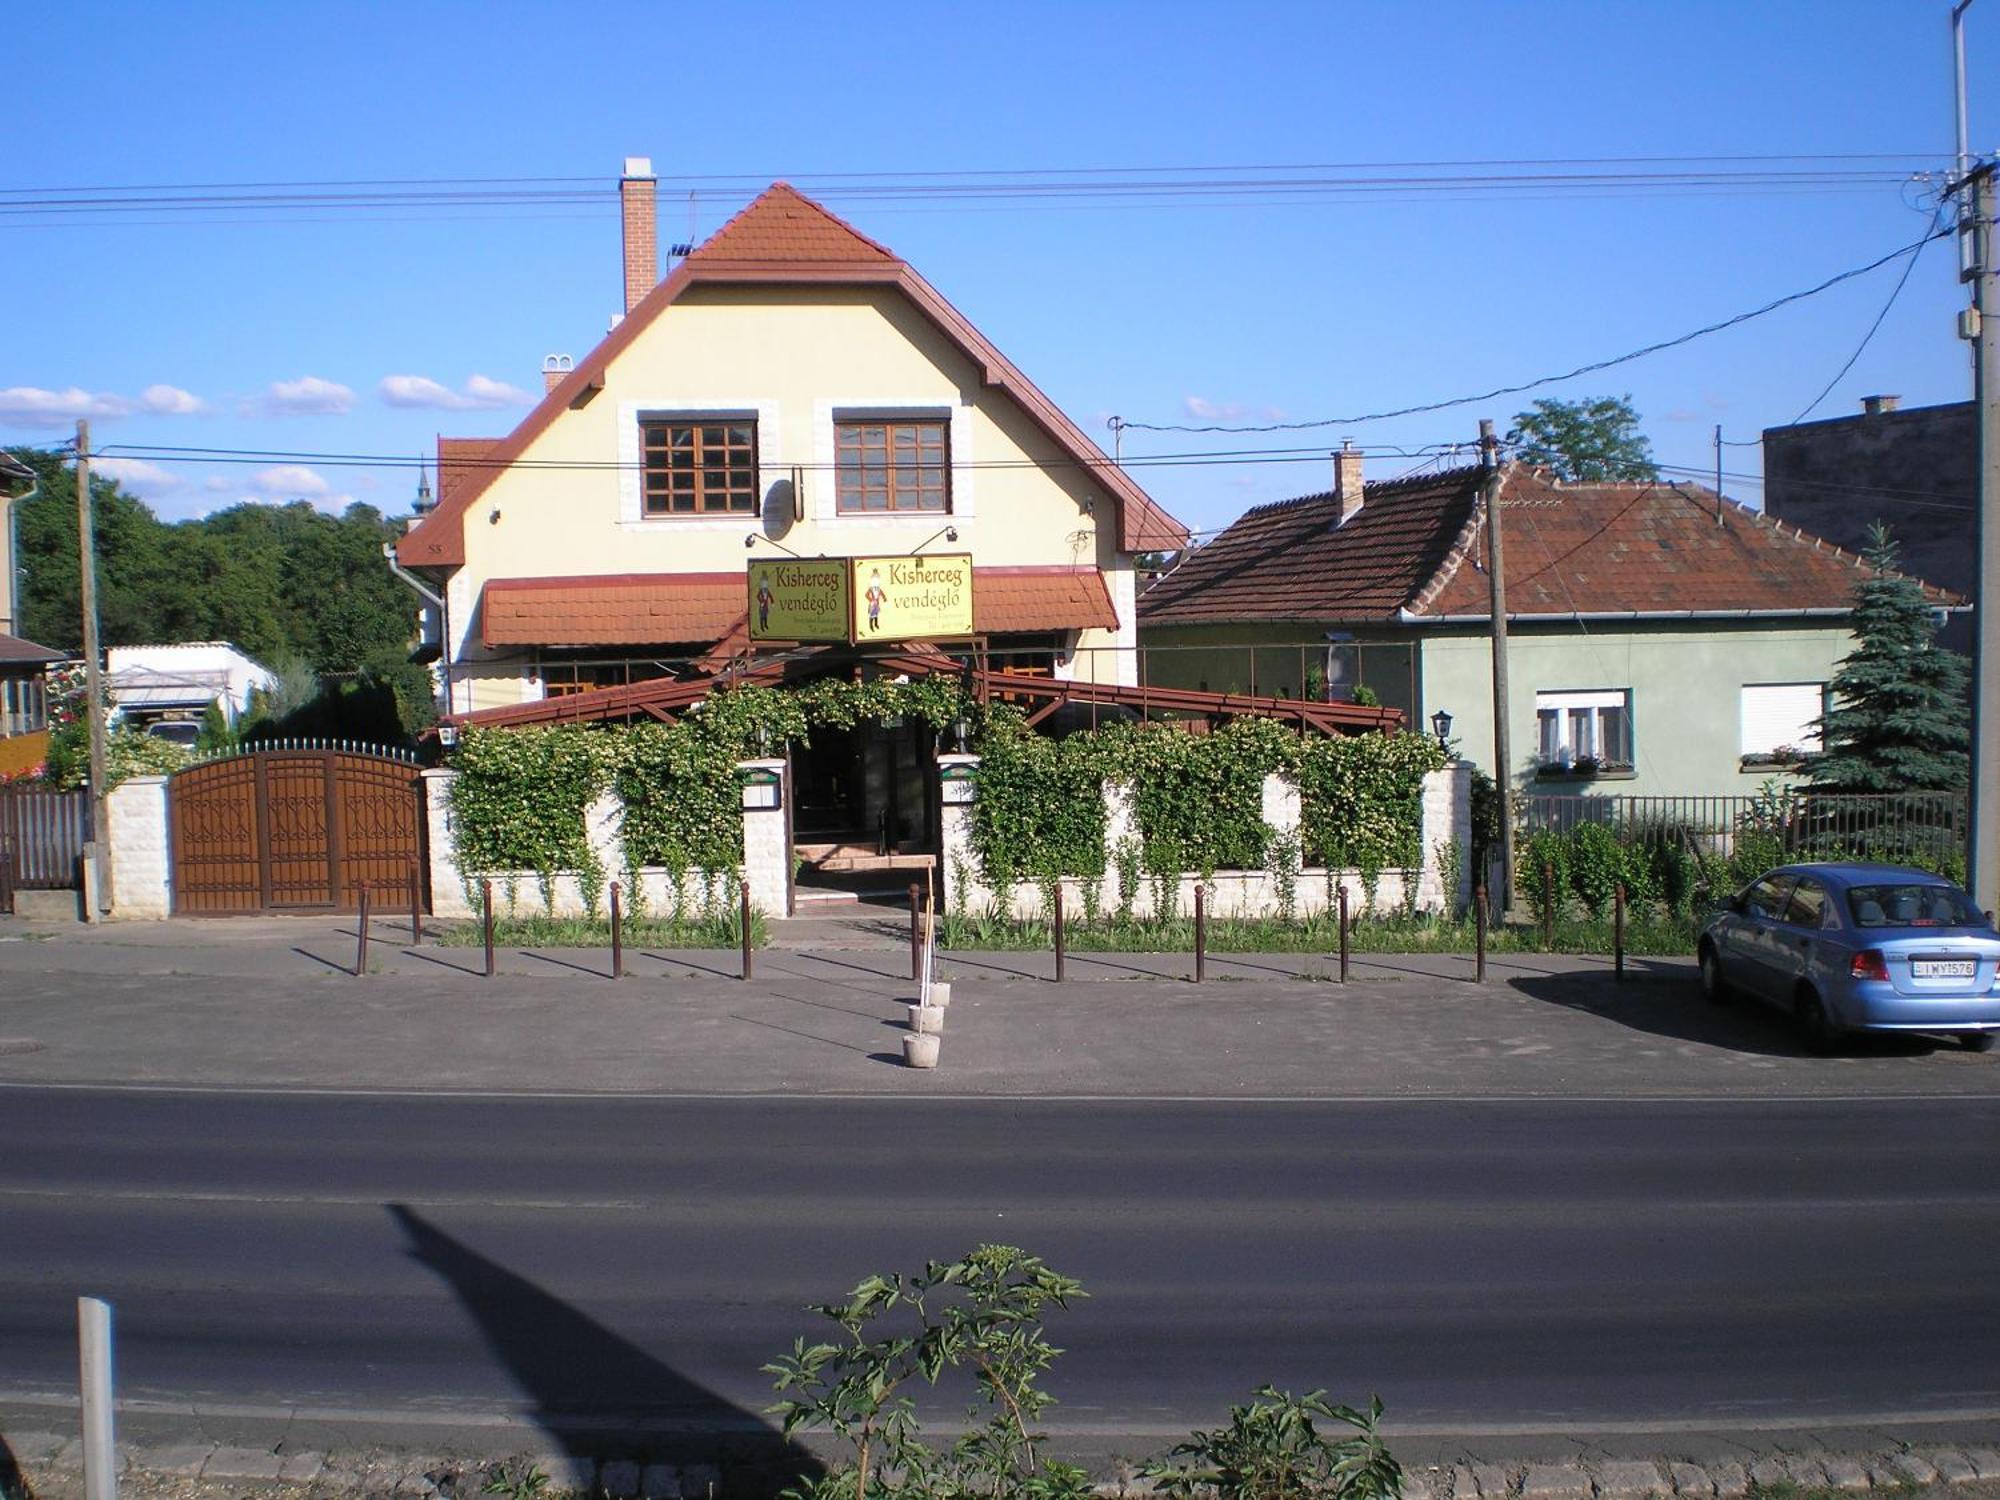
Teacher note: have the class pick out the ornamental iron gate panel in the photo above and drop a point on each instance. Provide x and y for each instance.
(294, 830)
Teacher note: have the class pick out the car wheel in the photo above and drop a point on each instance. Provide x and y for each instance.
(1978, 1041)
(1714, 987)
(1821, 1035)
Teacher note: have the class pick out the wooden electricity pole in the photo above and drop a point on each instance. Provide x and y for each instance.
(1503, 755)
(93, 678)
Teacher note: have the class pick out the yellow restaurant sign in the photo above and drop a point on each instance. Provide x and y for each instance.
(912, 598)
(799, 601)
(861, 599)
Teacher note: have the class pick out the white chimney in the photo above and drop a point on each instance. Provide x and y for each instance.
(1347, 479)
(642, 229)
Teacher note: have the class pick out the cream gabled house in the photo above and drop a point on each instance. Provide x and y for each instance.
(792, 390)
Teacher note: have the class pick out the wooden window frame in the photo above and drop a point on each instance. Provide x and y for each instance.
(737, 458)
(844, 466)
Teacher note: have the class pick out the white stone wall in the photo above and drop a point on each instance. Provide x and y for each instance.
(135, 815)
(1231, 893)
(766, 859)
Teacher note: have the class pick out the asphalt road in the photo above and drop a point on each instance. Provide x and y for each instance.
(1521, 1265)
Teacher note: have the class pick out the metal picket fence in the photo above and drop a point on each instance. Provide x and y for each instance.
(42, 834)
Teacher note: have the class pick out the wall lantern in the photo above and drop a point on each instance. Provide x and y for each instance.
(1441, 726)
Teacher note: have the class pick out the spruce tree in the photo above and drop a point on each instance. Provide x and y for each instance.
(1900, 719)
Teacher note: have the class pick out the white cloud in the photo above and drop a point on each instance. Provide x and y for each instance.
(481, 393)
(137, 475)
(33, 406)
(289, 482)
(216, 484)
(1201, 408)
(308, 396)
(170, 401)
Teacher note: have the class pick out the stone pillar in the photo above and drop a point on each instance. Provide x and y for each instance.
(448, 898)
(135, 815)
(958, 790)
(767, 854)
(1447, 820)
(1120, 824)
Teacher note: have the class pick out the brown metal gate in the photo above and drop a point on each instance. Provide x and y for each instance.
(295, 830)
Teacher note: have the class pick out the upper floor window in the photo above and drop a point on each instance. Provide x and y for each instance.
(891, 466)
(23, 706)
(700, 468)
(1591, 727)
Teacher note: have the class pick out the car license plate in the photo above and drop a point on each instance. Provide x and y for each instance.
(1943, 968)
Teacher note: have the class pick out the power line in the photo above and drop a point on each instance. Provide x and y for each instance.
(1546, 380)
(1902, 281)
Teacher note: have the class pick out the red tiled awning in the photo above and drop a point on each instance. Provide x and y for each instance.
(653, 609)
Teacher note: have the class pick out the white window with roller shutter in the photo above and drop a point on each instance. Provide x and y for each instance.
(1781, 720)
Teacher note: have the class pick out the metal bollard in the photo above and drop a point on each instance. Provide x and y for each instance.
(486, 901)
(100, 1448)
(416, 909)
(916, 936)
(1343, 934)
(1200, 935)
(361, 938)
(617, 936)
(745, 914)
(1059, 932)
(1618, 933)
(1479, 933)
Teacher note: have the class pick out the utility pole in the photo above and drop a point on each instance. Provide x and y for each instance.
(1503, 756)
(1981, 323)
(93, 678)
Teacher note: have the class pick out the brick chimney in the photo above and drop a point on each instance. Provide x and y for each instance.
(1347, 479)
(1874, 406)
(642, 229)
(555, 370)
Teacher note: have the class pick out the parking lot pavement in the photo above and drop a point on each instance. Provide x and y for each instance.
(271, 1003)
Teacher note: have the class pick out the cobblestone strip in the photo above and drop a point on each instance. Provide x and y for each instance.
(51, 1465)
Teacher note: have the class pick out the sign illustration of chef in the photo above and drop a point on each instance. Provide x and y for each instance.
(764, 597)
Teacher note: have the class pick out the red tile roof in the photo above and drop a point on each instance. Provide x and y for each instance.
(783, 226)
(459, 460)
(782, 239)
(655, 609)
(1291, 561)
(1413, 552)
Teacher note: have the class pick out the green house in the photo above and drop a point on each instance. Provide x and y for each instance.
(1663, 641)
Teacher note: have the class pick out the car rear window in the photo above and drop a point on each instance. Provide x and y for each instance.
(1911, 906)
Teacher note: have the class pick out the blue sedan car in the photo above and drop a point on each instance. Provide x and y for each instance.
(1846, 948)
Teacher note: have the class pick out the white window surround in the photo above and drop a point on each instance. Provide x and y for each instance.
(1781, 716)
(1590, 722)
(631, 463)
(824, 500)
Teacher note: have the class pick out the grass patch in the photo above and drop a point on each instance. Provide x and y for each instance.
(723, 931)
(1317, 934)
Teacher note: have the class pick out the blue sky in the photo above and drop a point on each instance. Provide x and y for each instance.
(369, 332)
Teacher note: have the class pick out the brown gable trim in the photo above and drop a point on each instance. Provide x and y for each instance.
(439, 540)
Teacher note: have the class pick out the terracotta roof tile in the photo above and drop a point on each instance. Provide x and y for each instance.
(459, 460)
(1291, 561)
(1571, 548)
(673, 608)
(783, 226)
(1649, 548)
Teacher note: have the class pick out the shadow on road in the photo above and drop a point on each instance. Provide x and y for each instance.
(13, 1484)
(1669, 1004)
(596, 1393)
